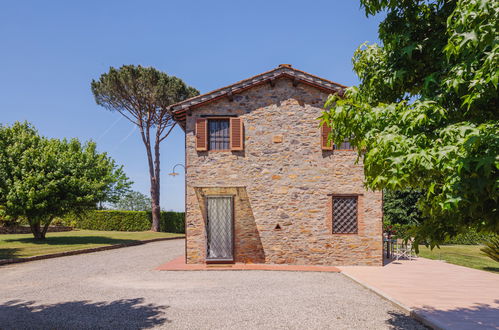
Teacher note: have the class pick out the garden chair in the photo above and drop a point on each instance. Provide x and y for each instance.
(404, 249)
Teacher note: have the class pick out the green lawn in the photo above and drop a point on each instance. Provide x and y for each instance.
(23, 245)
(463, 255)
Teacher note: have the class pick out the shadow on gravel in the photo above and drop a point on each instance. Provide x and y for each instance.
(118, 314)
(401, 321)
(69, 240)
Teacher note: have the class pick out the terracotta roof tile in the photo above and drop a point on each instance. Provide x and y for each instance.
(179, 109)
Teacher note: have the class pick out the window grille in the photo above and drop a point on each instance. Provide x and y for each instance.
(218, 134)
(345, 215)
(219, 228)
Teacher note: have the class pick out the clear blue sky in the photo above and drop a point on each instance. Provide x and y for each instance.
(51, 50)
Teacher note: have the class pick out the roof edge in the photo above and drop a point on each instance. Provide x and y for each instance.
(284, 70)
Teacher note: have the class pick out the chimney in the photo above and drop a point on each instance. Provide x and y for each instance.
(285, 65)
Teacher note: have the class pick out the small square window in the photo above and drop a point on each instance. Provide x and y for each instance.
(345, 215)
(218, 134)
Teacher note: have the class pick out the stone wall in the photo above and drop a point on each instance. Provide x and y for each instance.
(281, 178)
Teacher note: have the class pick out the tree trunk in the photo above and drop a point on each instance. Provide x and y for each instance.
(37, 231)
(155, 208)
(45, 228)
(154, 171)
(155, 192)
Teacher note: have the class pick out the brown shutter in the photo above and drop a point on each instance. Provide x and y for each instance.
(201, 134)
(325, 144)
(236, 134)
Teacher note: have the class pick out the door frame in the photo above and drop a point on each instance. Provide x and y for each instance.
(220, 261)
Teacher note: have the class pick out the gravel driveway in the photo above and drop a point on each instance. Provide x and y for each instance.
(119, 289)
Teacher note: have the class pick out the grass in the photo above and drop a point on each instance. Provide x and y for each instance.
(23, 245)
(463, 255)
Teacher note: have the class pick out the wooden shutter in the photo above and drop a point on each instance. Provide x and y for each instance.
(325, 130)
(236, 134)
(201, 134)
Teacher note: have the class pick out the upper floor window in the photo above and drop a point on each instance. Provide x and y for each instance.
(345, 145)
(327, 144)
(225, 134)
(218, 134)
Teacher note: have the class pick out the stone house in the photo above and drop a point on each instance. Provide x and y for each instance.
(262, 183)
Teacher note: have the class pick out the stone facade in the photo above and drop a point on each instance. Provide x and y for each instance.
(282, 177)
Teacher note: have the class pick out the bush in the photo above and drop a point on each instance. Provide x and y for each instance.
(173, 222)
(471, 237)
(491, 248)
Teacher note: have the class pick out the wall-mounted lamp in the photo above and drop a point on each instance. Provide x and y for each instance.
(173, 173)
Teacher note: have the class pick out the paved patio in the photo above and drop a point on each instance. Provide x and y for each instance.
(179, 264)
(449, 296)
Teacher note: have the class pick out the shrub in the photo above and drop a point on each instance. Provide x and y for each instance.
(471, 237)
(491, 248)
(173, 222)
(4, 222)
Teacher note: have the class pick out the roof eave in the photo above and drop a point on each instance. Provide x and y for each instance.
(180, 109)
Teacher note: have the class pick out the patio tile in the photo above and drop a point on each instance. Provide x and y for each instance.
(446, 295)
(179, 264)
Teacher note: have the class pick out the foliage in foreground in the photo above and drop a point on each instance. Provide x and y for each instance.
(400, 207)
(425, 115)
(172, 222)
(41, 178)
(491, 248)
(144, 96)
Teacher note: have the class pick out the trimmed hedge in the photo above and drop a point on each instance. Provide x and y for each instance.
(172, 222)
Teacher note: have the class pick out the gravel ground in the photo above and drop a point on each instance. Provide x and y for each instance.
(119, 289)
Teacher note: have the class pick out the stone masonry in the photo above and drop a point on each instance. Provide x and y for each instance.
(282, 177)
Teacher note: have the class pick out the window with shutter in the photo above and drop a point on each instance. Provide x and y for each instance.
(218, 134)
(325, 144)
(345, 145)
(201, 134)
(236, 134)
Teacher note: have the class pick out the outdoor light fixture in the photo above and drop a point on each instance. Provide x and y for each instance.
(173, 173)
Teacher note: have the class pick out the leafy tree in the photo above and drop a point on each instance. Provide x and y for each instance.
(143, 96)
(41, 178)
(400, 207)
(425, 114)
(134, 201)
